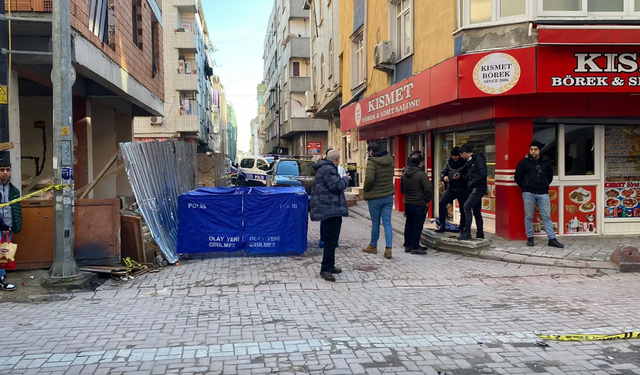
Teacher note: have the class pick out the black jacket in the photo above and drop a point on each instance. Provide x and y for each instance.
(477, 172)
(416, 187)
(450, 169)
(327, 197)
(534, 180)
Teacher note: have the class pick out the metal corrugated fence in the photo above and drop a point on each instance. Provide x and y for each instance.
(158, 173)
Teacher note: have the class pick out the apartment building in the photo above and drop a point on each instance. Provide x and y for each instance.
(232, 135)
(430, 75)
(118, 60)
(257, 124)
(287, 76)
(187, 71)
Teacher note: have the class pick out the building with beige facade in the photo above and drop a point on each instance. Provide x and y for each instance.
(187, 71)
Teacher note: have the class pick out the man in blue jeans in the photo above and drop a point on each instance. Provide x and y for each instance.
(10, 216)
(534, 175)
(378, 192)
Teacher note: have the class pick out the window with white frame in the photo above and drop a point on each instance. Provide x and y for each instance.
(590, 8)
(331, 58)
(402, 27)
(358, 63)
(478, 12)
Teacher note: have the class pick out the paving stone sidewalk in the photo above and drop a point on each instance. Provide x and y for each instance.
(579, 252)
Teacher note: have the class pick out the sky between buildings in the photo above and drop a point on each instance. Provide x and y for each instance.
(237, 30)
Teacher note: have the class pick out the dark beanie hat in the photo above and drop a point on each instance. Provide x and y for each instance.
(5, 159)
(537, 144)
(466, 148)
(455, 151)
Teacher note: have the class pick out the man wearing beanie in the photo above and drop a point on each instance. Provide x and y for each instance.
(534, 175)
(453, 175)
(417, 190)
(10, 216)
(477, 187)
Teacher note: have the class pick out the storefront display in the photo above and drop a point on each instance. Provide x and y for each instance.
(538, 224)
(622, 168)
(580, 210)
(489, 200)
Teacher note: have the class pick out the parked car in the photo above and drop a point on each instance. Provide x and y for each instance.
(292, 172)
(253, 170)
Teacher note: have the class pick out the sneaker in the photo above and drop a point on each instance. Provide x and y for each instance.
(321, 244)
(5, 285)
(530, 241)
(554, 243)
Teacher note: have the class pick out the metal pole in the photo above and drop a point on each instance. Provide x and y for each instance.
(4, 78)
(64, 264)
(279, 117)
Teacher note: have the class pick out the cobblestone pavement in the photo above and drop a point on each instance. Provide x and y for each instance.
(578, 249)
(433, 314)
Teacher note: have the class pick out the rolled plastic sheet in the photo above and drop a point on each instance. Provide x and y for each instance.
(159, 172)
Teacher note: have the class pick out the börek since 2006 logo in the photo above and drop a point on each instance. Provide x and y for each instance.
(496, 73)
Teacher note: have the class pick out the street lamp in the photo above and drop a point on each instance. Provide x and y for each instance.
(276, 90)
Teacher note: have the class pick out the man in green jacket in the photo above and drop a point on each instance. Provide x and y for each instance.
(10, 216)
(378, 192)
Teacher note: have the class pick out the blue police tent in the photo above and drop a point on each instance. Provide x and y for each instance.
(275, 220)
(210, 219)
(258, 220)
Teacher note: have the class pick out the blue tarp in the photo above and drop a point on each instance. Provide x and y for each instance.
(258, 220)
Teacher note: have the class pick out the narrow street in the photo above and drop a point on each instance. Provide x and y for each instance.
(432, 314)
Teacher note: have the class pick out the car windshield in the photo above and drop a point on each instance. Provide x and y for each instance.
(296, 168)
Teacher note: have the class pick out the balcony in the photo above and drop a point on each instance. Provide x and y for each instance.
(298, 84)
(297, 125)
(184, 123)
(298, 47)
(186, 41)
(186, 82)
(190, 6)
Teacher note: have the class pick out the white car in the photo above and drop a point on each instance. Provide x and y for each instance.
(252, 170)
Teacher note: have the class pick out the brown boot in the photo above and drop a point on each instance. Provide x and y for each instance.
(387, 252)
(370, 250)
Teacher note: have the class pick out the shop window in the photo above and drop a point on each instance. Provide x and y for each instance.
(482, 141)
(579, 159)
(548, 135)
(622, 153)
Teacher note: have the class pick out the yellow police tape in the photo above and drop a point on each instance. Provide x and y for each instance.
(619, 336)
(25, 197)
(131, 264)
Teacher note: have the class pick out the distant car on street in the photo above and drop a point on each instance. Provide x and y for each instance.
(292, 172)
(253, 170)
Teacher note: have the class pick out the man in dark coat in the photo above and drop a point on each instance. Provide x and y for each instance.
(453, 175)
(329, 205)
(10, 216)
(417, 190)
(477, 187)
(534, 175)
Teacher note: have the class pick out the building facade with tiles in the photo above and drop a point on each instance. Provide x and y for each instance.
(430, 75)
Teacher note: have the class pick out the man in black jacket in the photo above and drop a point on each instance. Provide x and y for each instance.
(416, 187)
(477, 187)
(453, 175)
(10, 216)
(329, 205)
(534, 175)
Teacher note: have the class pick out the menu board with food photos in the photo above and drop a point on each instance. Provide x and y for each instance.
(489, 199)
(580, 210)
(622, 153)
(622, 199)
(538, 224)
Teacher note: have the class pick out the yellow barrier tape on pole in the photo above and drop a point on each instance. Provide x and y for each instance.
(41, 191)
(619, 336)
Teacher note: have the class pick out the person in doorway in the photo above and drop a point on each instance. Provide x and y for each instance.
(534, 174)
(453, 175)
(378, 192)
(11, 216)
(342, 173)
(417, 190)
(476, 165)
(329, 206)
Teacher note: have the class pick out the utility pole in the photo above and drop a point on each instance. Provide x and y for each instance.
(4, 77)
(64, 263)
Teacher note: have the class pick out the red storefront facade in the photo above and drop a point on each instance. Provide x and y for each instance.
(574, 93)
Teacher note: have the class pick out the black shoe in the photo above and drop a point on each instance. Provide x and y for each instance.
(327, 276)
(530, 241)
(336, 270)
(420, 251)
(555, 243)
(440, 230)
(480, 234)
(465, 237)
(407, 249)
(5, 285)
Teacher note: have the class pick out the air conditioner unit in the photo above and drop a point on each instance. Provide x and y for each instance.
(310, 101)
(155, 121)
(383, 55)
